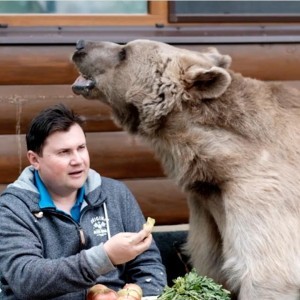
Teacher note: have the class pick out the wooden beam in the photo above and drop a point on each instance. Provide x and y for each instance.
(51, 64)
(159, 198)
(22, 102)
(113, 154)
(36, 65)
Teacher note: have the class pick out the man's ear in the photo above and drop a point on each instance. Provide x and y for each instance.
(33, 159)
(206, 83)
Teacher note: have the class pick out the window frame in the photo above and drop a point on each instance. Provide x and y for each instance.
(158, 14)
(232, 18)
(66, 29)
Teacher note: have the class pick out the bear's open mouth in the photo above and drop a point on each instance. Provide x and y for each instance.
(82, 85)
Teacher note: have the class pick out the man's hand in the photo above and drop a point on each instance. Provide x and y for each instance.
(126, 246)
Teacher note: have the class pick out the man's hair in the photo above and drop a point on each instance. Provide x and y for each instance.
(55, 118)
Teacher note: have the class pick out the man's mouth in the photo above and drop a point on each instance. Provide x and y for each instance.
(76, 173)
(82, 85)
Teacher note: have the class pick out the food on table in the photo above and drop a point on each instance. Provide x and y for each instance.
(131, 291)
(101, 292)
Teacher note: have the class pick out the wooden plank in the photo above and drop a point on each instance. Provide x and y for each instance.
(113, 154)
(52, 65)
(158, 198)
(22, 103)
(11, 162)
(36, 65)
(119, 155)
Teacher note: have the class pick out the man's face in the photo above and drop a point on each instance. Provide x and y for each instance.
(65, 162)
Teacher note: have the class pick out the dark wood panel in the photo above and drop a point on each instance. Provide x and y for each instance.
(120, 155)
(11, 160)
(52, 65)
(22, 103)
(113, 154)
(159, 198)
(36, 65)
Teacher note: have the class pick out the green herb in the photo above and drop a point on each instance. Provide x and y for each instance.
(194, 287)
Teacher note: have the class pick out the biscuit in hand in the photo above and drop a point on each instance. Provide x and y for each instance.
(149, 224)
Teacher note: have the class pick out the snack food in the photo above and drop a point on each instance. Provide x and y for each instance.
(101, 292)
(131, 291)
(149, 224)
(128, 294)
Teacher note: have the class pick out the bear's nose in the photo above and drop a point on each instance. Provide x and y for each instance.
(80, 45)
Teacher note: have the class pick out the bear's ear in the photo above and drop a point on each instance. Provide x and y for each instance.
(206, 83)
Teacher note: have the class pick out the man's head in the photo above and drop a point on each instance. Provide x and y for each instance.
(57, 149)
(48, 121)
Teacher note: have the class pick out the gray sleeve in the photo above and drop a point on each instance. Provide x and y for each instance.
(31, 276)
(99, 260)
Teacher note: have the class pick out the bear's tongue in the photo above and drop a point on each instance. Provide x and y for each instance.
(82, 85)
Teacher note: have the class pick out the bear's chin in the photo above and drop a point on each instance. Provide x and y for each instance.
(84, 87)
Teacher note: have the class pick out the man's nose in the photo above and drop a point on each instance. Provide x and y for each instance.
(80, 44)
(76, 158)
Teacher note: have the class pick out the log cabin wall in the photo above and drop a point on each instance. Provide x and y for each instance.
(37, 74)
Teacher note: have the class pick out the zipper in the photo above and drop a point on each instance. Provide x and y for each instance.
(79, 229)
(82, 237)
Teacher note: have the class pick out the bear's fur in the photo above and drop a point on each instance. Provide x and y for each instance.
(231, 143)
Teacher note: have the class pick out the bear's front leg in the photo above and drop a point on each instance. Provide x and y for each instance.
(204, 241)
(260, 248)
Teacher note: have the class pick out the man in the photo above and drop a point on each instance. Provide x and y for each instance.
(65, 228)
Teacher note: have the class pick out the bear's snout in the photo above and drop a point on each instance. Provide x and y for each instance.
(80, 45)
(80, 51)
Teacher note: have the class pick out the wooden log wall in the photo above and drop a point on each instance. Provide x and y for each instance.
(34, 77)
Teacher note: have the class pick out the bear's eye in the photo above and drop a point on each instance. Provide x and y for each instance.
(161, 97)
(122, 54)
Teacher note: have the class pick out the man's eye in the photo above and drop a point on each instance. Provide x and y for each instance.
(63, 152)
(122, 54)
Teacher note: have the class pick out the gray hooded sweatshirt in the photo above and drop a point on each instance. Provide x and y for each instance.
(45, 254)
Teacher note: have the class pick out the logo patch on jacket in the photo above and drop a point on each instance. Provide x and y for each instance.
(99, 226)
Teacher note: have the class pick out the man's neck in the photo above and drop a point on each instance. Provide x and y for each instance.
(64, 203)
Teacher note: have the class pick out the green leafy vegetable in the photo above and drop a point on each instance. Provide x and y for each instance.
(194, 287)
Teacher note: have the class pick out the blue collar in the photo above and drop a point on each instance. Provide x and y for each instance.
(47, 202)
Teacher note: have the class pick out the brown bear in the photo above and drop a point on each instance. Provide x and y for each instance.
(231, 143)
